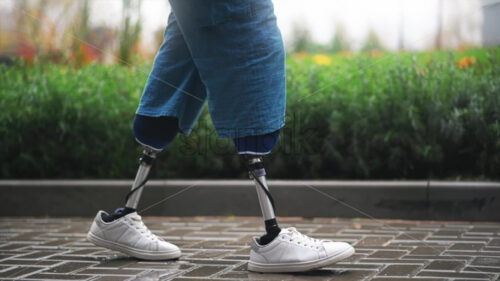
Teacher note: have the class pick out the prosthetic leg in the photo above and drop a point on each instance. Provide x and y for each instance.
(283, 250)
(141, 178)
(154, 134)
(251, 150)
(124, 230)
(257, 172)
(145, 163)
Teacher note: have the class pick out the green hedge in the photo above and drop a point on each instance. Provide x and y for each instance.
(384, 116)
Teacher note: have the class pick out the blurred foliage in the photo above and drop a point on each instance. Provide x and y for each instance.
(340, 41)
(61, 32)
(372, 42)
(377, 115)
(302, 41)
(370, 116)
(36, 34)
(130, 31)
(80, 49)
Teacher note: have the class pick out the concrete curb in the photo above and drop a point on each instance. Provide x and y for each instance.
(429, 200)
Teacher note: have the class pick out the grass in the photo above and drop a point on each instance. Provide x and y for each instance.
(368, 116)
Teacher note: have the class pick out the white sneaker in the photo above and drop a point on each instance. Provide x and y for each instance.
(130, 236)
(292, 251)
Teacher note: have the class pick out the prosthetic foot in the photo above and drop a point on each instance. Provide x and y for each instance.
(286, 250)
(124, 230)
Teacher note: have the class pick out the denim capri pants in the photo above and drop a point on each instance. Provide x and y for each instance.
(229, 52)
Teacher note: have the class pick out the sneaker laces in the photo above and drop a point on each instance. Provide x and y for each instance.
(142, 228)
(293, 233)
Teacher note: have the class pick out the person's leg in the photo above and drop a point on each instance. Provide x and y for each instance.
(238, 51)
(124, 230)
(172, 102)
(281, 250)
(252, 149)
(154, 134)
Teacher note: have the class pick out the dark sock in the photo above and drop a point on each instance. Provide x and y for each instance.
(120, 212)
(272, 230)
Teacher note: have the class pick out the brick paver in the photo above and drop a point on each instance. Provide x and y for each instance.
(217, 248)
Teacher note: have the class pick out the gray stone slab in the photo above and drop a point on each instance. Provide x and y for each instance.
(464, 200)
(477, 201)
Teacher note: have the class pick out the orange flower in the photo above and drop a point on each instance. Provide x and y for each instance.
(345, 53)
(375, 54)
(320, 59)
(89, 53)
(465, 62)
(26, 51)
(299, 55)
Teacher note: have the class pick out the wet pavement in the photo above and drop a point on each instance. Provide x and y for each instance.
(217, 248)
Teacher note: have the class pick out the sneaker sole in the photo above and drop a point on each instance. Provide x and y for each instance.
(299, 266)
(140, 254)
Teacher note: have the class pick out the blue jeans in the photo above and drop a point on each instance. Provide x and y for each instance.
(229, 52)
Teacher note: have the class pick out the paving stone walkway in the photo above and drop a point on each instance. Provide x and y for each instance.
(216, 248)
